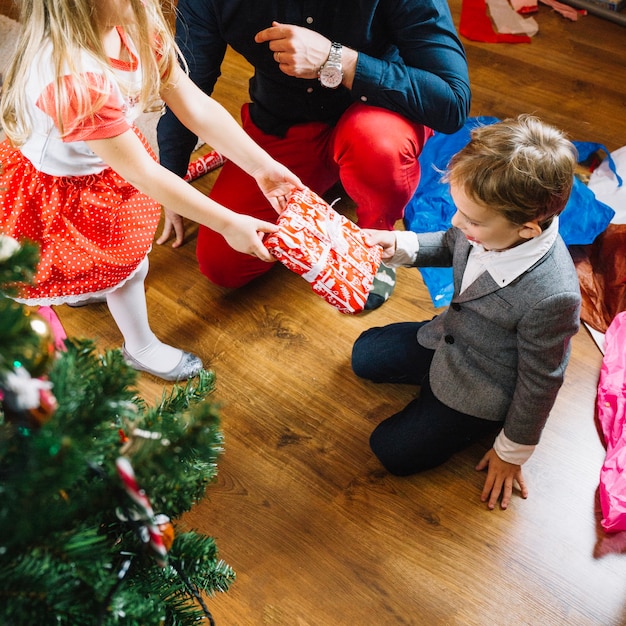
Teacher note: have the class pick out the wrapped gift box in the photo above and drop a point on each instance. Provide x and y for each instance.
(326, 249)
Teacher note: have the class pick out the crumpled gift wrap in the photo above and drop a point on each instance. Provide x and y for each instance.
(326, 249)
(611, 417)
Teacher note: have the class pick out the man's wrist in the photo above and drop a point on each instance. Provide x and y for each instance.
(330, 74)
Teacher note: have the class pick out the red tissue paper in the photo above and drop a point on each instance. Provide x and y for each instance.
(326, 249)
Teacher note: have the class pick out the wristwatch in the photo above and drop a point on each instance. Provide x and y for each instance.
(331, 74)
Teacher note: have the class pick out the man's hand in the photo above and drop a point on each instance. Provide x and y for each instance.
(299, 51)
(173, 222)
(500, 480)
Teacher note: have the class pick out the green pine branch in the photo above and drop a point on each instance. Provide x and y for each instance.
(66, 557)
(72, 552)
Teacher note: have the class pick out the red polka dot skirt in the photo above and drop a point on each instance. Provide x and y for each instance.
(93, 231)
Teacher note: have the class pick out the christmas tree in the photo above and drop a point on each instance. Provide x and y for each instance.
(92, 480)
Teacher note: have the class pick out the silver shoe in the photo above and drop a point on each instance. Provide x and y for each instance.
(99, 299)
(189, 366)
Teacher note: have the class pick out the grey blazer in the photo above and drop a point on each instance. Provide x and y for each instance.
(501, 353)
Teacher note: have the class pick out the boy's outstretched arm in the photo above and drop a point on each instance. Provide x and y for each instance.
(501, 477)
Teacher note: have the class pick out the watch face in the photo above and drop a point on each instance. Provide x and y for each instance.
(331, 76)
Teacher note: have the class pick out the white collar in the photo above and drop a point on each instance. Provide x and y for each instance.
(504, 266)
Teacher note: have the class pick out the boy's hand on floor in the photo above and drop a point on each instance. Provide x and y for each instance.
(501, 478)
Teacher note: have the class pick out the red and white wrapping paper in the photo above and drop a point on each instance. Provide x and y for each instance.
(326, 249)
(203, 165)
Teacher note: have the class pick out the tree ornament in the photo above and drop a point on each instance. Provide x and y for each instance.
(26, 400)
(166, 527)
(39, 353)
(47, 406)
(8, 247)
(142, 512)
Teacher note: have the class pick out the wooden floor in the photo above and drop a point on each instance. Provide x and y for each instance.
(318, 533)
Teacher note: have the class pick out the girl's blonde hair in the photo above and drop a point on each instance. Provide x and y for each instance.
(71, 27)
(519, 167)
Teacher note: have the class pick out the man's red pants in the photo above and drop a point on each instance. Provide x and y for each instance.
(373, 151)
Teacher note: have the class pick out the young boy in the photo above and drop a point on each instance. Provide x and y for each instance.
(495, 359)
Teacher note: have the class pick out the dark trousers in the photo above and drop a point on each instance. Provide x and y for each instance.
(426, 432)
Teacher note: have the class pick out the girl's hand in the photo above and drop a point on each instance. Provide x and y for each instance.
(386, 239)
(277, 182)
(245, 234)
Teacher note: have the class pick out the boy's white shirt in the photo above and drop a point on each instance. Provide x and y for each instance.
(504, 267)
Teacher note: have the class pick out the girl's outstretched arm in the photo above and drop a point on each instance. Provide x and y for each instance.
(217, 127)
(128, 157)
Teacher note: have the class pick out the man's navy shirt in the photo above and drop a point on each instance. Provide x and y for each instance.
(410, 58)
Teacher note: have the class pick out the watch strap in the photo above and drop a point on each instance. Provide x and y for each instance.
(334, 57)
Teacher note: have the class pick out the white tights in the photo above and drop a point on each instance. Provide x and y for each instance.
(127, 305)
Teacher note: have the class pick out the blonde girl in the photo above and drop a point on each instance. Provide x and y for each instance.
(77, 177)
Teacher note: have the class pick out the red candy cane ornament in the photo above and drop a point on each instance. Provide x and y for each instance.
(143, 509)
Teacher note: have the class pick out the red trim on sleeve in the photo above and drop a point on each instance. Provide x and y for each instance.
(107, 122)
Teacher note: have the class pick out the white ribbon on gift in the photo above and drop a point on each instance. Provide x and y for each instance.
(334, 229)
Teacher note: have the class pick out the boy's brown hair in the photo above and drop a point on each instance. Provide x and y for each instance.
(522, 168)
